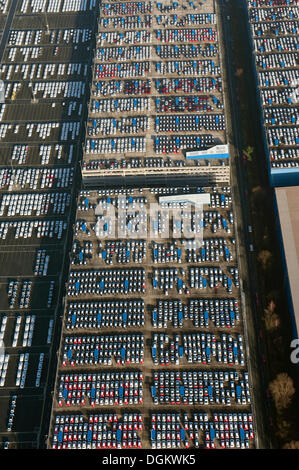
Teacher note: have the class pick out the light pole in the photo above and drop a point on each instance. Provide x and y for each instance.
(47, 24)
(34, 100)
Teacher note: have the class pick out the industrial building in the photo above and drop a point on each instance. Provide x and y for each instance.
(153, 347)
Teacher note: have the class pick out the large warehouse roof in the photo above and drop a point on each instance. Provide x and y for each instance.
(288, 210)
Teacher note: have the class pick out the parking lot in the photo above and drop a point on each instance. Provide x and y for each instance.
(157, 306)
(45, 66)
(135, 305)
(274, 29)
(145, 51)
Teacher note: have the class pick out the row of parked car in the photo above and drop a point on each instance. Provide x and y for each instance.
(278, 27)
(4, 7)
(116, 145)
(119, 53)
(126, 22)
(200, 388)
(197, 348)
(126, 87)
(28, 330)
(16, 331)
(201, 278)
(21, 37)
(106, 282)
(188, 85)
(38, 228)
(12, 410)
(277, 78)
(203, 313)
(126, 37)
(63, 89)
(288, 136)
(30, 53)
(122, 70)
(274, 96)
(42, 261)
(42, 129)
(283, 43)
(131, 8)
(274, 29)
(104, 314)
(56, 6)
(277, 61)
(186, 35)
(97, 431)
(36, 178)
(43, 71)
(284, 154)
(81, 253)
(57, 36)
(22, 370)
(176, 143)
(121, 252)
(189, 19)
(3, 369)
(167, 430)
(125, 125)
(25, 293)
(103, 349)
(188, 67)
(173, 430)
(176, 104)
(186, 51)
(3, 327)
(29, 204)
(187, 123)
(280, 116)
(104, 389)
(150, 162)
(70, 36)
(267, 12)
(110, 105)
(213, 249)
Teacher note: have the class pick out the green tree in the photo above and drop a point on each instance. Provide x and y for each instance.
(248, 152)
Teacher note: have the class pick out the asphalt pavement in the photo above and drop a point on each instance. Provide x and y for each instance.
(7, 26)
